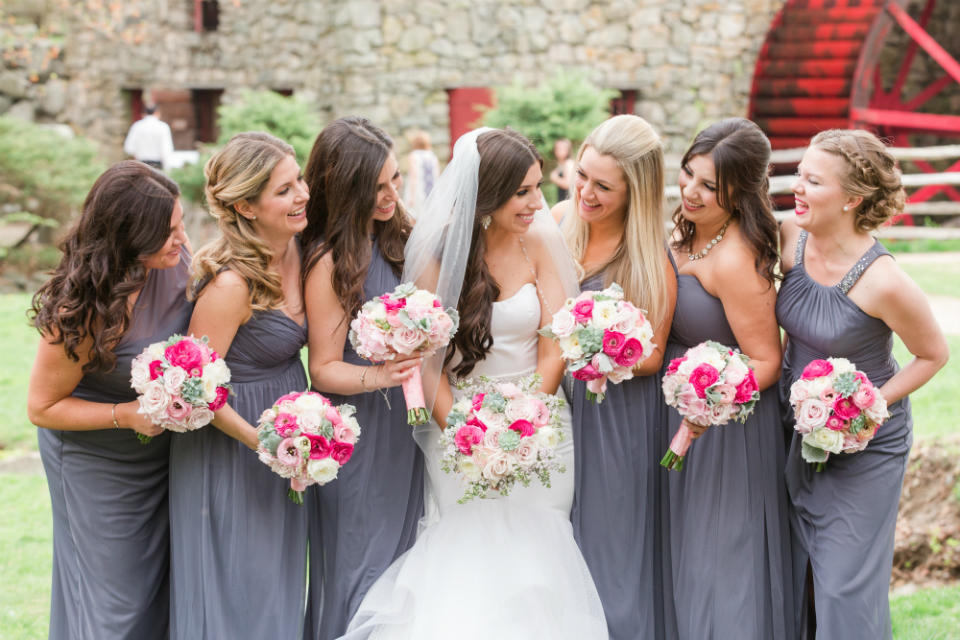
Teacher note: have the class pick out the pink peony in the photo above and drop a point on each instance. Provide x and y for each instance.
(836, 423)
(341, 452)
(747, 388)
(845, 409)
(864, 396)
(524, 428)
(686, 395)
(829, 395)
(817, 369)
(178, 409)
(698, 411)
(288, 454)
(583, 310)
(285, 425)
(675, 364)
(613, 342)
(467, 437)
(630, 354)
(333, 416)
(184, 354)
(703, 376)
(319, 447)
(156, 369)
(587, 373)
(478, 401)
(220, 400)
(475, 422)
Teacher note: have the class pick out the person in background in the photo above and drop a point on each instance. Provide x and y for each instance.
(423, 169)
(149, 140)
(563, 173)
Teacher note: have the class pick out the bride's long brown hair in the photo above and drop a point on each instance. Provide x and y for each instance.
(505, 158)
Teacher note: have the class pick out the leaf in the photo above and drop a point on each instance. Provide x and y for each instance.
(812, 454)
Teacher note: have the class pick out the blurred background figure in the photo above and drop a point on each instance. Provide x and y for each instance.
(423, 169)
(562, 174)
(149, 140)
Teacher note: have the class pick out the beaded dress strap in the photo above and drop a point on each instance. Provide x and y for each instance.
(854, 274)
(801, 243)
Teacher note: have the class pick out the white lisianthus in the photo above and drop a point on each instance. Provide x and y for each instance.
(216, 371)
(469, 467)
(173, 379)
(309, 402)
(322, 471)
(548, 437)
(604, 313)
(570, 346)
(302, 443)
(569, 303)
(309, 419)
(140, 377)
(825, 439)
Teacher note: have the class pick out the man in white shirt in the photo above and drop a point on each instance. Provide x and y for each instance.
(150, 140)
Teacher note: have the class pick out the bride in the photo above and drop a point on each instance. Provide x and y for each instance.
(494, 567)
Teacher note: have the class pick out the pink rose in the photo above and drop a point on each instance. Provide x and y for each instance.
(828, 395)
(333, 416)
(467, 437)
(864, 396)
(156, 369)
(675, 364)
(845, 409)
(341, 452)
(799, 392)
(184, 354)
(583, 310)
(520, 409)
(817, 369)
(475, 422)
(319, 447)
(524, 427)
(510, 391)
(703, 376)
(393, 319)
(851, 443)
(630, 354)
(835, 423)
(721, 413)
(288, 454)
(343, 433)
(563, 323)
(490, 440)
(613, 342)
(406, 340)
(542, 414)
(747, 388)
(285, 425)
(178, 409)
(587, 373)
(173, 379)
(220, 400)
(728, 393)
(811, 414)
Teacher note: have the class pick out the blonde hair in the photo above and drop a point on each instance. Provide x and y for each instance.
(871, 173)
(638, 263)
(240, 172)
(421, 140)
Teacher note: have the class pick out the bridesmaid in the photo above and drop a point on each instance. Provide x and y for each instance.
(239, 546)
(728, 507)
(844, 296)
(616, 234)
(353, 251)
(120, 286)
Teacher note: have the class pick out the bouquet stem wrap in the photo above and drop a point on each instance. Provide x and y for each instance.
(413, 395)
(297, 487)
(678, 449)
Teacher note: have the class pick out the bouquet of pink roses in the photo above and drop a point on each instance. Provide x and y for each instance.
(305, 438)
(181, 383)
(501, 433)
(837, 409)
(709, 385)
(407, 321)
(602, 336)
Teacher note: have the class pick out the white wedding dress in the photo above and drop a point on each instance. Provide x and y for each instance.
(505, 568)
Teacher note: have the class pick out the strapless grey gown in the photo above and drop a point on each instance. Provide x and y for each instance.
(239, 545)
(367, 518)
(111, 531)
(843, 519)
(620, 504)
(729, 530)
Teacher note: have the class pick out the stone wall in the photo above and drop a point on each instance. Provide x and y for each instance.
(689, 61)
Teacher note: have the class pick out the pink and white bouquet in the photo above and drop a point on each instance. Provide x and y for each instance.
(305, 438)
(709, 385)
(407, 321)
(602, 336)
(837, 409)
(181, 383)
(501, 433)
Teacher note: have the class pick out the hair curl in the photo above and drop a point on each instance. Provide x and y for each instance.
(505, 158)
(124, 220)
(871, 172)
(240, 172)
(342, 173)
(741, 154)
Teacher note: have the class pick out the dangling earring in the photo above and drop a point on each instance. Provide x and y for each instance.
(485, 221)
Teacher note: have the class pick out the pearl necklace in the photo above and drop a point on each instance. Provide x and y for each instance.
(706, 249)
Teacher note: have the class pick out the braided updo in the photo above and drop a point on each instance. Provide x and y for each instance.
(871, 173)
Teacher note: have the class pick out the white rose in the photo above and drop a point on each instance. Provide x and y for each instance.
(735, 372)
(563, 323)
(423, 297)
(520, 409)
(526, 453)
(309, 420)
(218, 372)
(492, 419)
(140, 377)
(817, 385)
(840, 365)
(309, 402)
(499, 466)
(464, 406)
(157, 350)
(570, 346)
(154, 400)
(199, 417)
(877, 412)
(548, 437)
(799, 391)
(209, 390)
(173, 379)
(825, 439)
(469, 467)
(490, 437)
(378, 313)
(811, 414)
(604, 313)
(721, 413)
(322, 471)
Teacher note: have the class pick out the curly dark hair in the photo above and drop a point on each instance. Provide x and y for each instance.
(124, 219)
(505, 158)
(741, 155)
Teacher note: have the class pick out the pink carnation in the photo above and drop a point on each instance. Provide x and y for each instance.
(630, 354)
(613, 342)
(156, 369)
(836, 423)
(702, 377)
(817, 369)
(524, 427)
(341, 452)
(583, 310)
(220, 400)
(319, 447)
(184, 354)
(468, 436)
(285, 425)
(845, 409)
(747, 388)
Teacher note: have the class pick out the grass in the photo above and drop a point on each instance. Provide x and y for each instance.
(936, 406)
(931, 614)
(19, 348)
(921, 245)
(936, 279)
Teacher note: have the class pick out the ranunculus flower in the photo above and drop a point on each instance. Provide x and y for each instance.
(156, 369)
(184, 354)
(341, 452)
(630, 354)
(835, 423)
(290, 397)
(587, 373)
(613, 342)
(817, 369)
(469, 467)
(391, 304)
(675, 364)
(864, 396)
(811, 414)
(583, 310)
(524, 427)
(542, 416)
(319, 447)
(289, 454)
(702, 377)
(845, 409)
(475, 422)
(285, 425)
(828, 395)
(747, 388)
(220, 400)
(467, 437)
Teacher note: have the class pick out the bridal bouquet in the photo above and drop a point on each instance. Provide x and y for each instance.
(501, 433)
(305, 438)
(602, 336)
(709, 385)
(407, 321)
(181, 383)
(837, 409)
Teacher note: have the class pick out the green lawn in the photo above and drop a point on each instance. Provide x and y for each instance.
(932, 614)
(936, 406)
(19, 348)
(936, 279)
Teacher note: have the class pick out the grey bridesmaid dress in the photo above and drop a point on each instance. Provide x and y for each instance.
(619, 504)
(367, 517)
(729, 530)
(111, 532)
(238, 544)
(843, 518)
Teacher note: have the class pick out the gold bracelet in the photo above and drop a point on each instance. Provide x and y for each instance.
(113, 414)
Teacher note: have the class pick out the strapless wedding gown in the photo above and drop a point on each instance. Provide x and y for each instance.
(498, 567)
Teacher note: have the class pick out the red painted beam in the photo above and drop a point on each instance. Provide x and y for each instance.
(832, 31)
(810, 107)
(832, 49)
(804, 87)
(907, 120)
(921, 98)
(831, 4)
(807, 68)
(821, 16)
(922, 38)
(798, 127)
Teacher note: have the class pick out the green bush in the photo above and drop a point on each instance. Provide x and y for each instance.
(289, 118)
(566, 105)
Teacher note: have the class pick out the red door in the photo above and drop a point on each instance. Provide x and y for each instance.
(466, 105)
